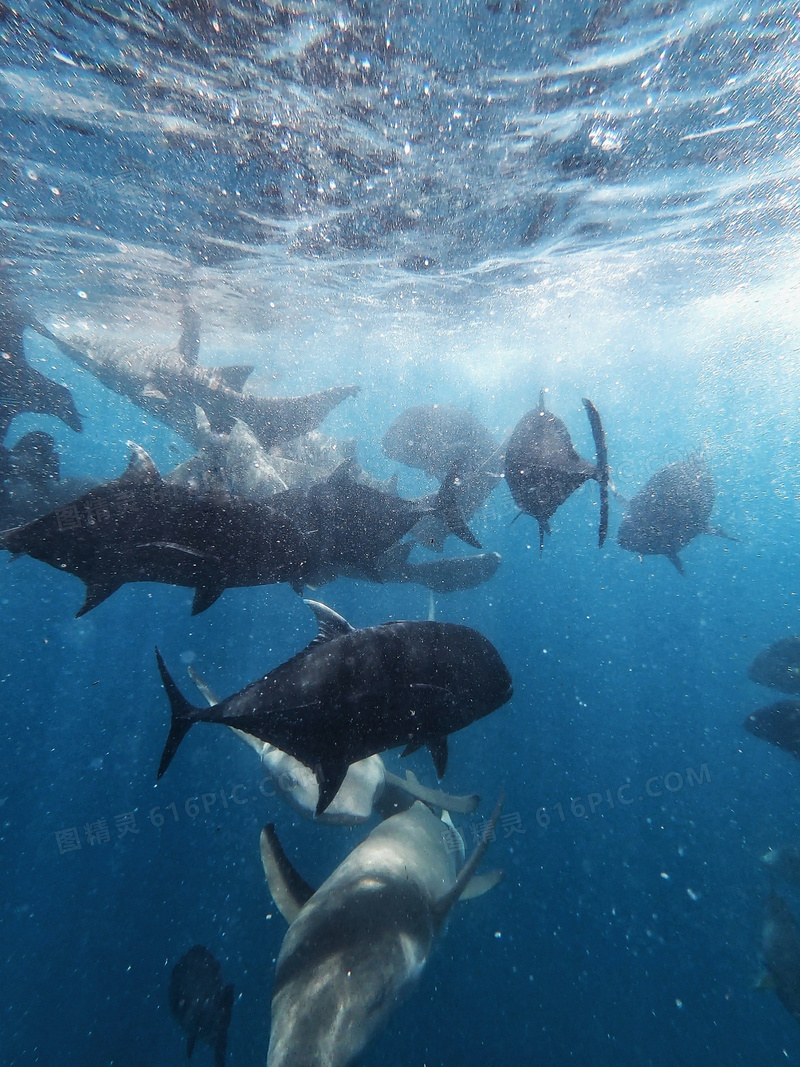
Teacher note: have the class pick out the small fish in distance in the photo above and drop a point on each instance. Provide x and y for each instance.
(200, 1003)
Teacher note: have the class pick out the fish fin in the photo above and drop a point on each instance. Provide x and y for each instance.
(221, 1044)
(141, 468)
(601, 471)
(445, 902)
(200, 683)
(190, 1041)
(717, 531)
(189, 343)
(482, 883)
(675, 560)
(96, 593)
(234, 377)
(411, 747)
(434, 798)
(446, 507)
(330, 775)
(437, 746)
(184, 715)
(329, 622)
(288, 889)
(206, 594)
(152, 392)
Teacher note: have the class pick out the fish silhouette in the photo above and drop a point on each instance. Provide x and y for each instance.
(200, 1002)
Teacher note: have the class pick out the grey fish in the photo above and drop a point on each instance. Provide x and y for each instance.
(353, 693)
(169, 384)
(671, 510)
(778, 666)
(784, 862)
(543, 469)
(780, 950)
(779, 724)
(357, 946)
(23, 389)
(200, 1002)
(432, 437)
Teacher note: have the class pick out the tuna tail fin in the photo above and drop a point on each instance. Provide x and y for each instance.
(184, 715)
(602, 470)
(225, 1007)
(446, 506)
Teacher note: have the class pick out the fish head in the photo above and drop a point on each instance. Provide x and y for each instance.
(346, 962)
(779, 724)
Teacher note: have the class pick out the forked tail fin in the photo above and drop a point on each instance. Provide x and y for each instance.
(184, 715)
(602, 475)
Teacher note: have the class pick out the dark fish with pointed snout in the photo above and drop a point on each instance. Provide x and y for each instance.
(778, 666)
(543, 469)
(780, 951)
(671, 510)
(356, 947)
(353, 693)
(139, 528)
(23, 389)
(200, 1002)
(779, 724)
(170, 384)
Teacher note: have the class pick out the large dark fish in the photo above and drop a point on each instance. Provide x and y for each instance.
(22, 388)
(353, 693)
(169, 384)
(138, 528)
(778, 666)
(350, 524)
(671, 510)
(543, 469)
(780, 950)
(200, 1002)
(779, 724)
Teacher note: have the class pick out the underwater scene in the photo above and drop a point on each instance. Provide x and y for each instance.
(399, 422)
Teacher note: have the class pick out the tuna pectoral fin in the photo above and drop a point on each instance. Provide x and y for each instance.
(96, 593)
(288, 889)
(435, 798)
(446, 507)
(184, 715)
(445, 903)
(330, 776)
(675, 560)
(482, 883)
(225, 1008)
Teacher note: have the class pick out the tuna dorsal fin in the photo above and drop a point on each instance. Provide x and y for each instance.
(141, 469)
(329, 622)
(235, 376)
(289, 890)
(482, 883)
(445, 903)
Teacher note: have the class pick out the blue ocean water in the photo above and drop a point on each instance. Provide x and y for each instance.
(445, 202)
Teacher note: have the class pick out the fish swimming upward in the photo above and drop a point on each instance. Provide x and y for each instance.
(200, 1002)
(543, 469)
(353, 693)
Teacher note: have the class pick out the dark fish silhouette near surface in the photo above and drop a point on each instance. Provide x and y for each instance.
(543, 469)
(778, 666)
(779, 724)
(169, 384)
(780, 951)
(138, 528)
(357, 946)
(22, 388)
(671, 510)
(200, 1002)
(353, 693)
